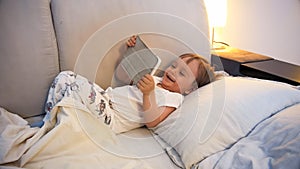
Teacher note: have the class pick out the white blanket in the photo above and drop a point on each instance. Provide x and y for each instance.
(73, 138)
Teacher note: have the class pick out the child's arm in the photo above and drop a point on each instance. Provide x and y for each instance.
(153, 114)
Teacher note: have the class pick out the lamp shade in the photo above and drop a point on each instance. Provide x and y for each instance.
(217, 12)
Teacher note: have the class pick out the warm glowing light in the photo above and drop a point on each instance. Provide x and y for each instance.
(217, 12)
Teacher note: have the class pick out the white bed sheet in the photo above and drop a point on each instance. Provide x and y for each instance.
(67, 141)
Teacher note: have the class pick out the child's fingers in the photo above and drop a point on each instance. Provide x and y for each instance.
(143, 82)
(141, 85)
(148, 78)
(131, 42)
(133, 38)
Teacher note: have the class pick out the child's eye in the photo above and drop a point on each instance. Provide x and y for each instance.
(173, 66)
(182, 73)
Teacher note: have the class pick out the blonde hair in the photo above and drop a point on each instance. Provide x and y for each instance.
(205, 70)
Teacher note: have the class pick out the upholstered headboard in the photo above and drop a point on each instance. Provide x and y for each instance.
(28, 55)
(91, 36)
(41, 38)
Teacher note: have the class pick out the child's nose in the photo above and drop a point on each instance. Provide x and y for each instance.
(174, 71)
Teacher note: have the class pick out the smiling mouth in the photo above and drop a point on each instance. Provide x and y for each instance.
(170, 78)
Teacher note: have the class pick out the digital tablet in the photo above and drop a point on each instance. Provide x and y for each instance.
(139, 60)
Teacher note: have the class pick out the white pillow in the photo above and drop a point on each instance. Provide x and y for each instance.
(217, 115)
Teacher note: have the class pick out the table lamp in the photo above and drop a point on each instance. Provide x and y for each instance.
(217, 14)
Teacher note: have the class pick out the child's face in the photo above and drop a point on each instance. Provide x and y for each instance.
(180, 77)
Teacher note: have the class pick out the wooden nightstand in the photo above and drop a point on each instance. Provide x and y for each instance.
(273, 70)
(239, 62)
(230, 59)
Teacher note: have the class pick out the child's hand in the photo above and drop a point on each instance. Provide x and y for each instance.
(146, 84)
(131, 41)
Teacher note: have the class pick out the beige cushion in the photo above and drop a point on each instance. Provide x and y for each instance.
(29, 58)
(91, 35)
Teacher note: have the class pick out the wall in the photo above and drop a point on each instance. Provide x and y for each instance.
(269, 27)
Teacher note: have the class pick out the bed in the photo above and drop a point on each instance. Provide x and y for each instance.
(234, 122)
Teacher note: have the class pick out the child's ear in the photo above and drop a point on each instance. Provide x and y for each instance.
(193, 87)
(190, 90)
(187, 92)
